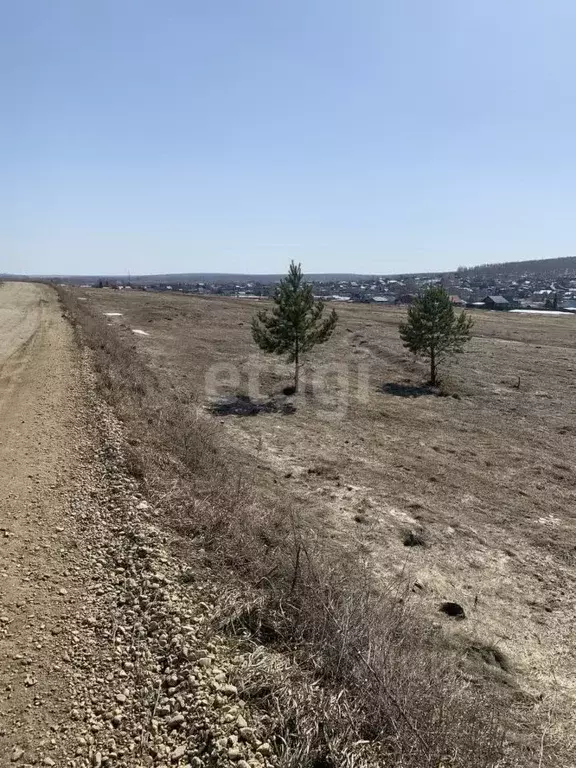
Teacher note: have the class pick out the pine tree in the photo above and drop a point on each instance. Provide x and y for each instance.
(294, 325)
(551, 302)
(433, 329)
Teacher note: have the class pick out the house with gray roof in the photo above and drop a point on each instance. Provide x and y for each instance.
(496, 302)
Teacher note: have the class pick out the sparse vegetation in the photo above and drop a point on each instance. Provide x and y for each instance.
(433, 330)
(395, 463)
(294, 326)
(373, 685)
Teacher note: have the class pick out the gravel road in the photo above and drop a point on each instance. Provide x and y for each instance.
(108, 652)
(39, 428)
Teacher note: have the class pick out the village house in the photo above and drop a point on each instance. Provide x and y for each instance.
(496, 302)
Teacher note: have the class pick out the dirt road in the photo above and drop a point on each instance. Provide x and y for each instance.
(83, 656)
(39, 440)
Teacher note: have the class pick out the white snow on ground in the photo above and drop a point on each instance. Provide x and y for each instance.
(113, 314)
(139, 332)
(542, 312)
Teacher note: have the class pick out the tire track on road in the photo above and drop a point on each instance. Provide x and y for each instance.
(13, 369)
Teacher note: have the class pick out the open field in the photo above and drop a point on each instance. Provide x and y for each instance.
(485, 477)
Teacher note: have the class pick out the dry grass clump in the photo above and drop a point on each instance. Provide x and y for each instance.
(382, 691)
(372, 686)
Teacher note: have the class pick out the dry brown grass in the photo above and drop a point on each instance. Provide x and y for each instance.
(281, 498)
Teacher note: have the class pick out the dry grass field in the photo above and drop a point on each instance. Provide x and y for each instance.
(479, 478)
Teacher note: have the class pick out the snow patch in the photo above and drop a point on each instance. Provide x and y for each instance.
(113, 314)
(139, 332)
(541, 312)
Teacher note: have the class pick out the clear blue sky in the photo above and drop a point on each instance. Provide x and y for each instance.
(234, 135)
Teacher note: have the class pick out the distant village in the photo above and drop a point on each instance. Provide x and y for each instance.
(546, 285)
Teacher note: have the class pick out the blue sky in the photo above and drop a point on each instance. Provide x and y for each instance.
(372, 136)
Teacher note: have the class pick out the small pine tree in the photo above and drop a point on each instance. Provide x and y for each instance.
(433, 329)
(551, 302)
(294, 325)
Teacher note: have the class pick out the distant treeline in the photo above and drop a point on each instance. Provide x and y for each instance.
(555, 268)
(561, 266)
